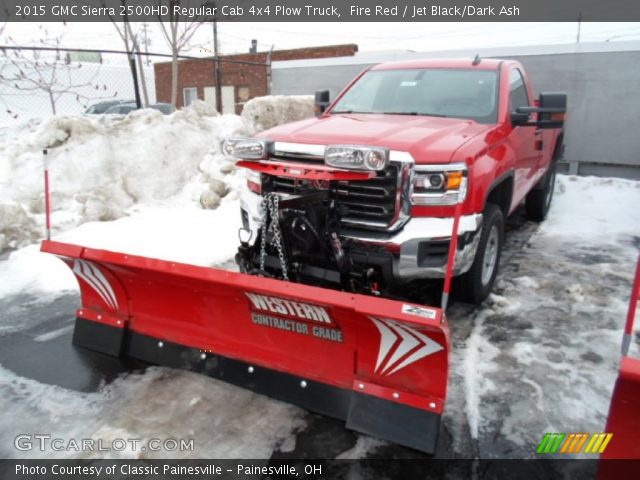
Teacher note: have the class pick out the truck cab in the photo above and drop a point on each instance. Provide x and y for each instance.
(388, 161)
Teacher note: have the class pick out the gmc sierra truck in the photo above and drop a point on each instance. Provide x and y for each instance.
(362, 197)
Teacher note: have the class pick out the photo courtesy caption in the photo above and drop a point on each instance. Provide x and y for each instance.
(127, 469)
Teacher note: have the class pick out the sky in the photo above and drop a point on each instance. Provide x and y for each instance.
(236, 37)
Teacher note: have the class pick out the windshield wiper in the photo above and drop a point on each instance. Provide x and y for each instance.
(347, 111)
(415, 114)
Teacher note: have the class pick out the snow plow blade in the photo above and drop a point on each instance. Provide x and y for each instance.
(380, 365)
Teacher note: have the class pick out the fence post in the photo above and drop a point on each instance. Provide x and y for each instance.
(134, 74)
(217, 67)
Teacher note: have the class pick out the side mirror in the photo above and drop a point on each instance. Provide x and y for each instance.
(551, 110)
(322, 101)
(518, 118)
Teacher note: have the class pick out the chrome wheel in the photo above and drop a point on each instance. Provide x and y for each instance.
(490, 258)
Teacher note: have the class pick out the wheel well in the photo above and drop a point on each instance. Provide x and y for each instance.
(501, 194)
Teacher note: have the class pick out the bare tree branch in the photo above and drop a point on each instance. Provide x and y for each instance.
(130, 40)
(178, 36)
(51, 72)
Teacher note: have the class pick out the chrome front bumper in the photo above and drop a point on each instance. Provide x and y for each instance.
(417, 235)
(407, 245)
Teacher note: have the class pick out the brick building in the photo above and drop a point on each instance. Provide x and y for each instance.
(239, 81)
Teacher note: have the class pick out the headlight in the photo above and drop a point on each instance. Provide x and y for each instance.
(354, 157)
(247, 148)
(439, 184)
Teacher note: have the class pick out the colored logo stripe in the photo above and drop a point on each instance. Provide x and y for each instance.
(598, 442)
(573, 443)
(550, 443)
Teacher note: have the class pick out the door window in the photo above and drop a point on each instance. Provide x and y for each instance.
(518, 96)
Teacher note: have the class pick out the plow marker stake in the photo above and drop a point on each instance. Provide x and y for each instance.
(380, 365)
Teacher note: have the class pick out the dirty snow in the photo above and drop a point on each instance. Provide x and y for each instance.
(158, 404)
(542, 354)
(263, 113)
(102, 165)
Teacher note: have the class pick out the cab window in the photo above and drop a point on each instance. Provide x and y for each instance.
(518, 96)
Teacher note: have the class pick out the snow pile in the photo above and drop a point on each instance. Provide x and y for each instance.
(262, 113)
(174, 233)
(102, 165)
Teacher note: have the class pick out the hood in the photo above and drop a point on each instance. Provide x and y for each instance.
(427, 139)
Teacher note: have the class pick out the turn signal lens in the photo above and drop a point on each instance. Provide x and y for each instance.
(454, 180)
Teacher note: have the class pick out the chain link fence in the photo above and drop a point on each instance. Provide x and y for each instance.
(36, 83)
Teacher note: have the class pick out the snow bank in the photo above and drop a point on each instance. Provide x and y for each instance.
(262, 113)
(102, 165)
(174, 233)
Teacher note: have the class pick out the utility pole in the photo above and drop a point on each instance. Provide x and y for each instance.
(217, 71)
(579, 26)
(146, 41)
(269, 80)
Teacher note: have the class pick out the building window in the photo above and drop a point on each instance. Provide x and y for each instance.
(243, 94)
(190, 95)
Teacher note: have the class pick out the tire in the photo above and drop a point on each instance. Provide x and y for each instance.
(538, 200)
(475, 285)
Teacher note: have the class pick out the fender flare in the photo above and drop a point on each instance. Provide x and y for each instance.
(510, 173)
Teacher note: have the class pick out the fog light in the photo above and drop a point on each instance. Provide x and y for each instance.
(355, 157)
(247, 148)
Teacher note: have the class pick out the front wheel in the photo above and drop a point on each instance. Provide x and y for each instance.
(475, 285)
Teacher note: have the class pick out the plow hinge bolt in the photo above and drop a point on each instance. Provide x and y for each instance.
(203, 356)
(396, 395)
(361, 386)
(99, 317)
(250, 369)
(160, 344)
(432, 405)
(118, 322)
(303, 384)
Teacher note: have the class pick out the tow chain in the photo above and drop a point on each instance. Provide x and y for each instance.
(269, 208)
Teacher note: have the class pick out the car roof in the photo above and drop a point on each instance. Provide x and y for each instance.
(462, 63)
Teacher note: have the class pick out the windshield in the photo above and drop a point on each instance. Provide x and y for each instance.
(435, 92)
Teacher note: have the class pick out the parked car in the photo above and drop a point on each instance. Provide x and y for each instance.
(102, 107)
(124, 108)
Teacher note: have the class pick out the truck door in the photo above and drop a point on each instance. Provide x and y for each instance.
(522, 139)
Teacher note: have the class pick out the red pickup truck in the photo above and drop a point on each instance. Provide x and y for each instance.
(365, 192)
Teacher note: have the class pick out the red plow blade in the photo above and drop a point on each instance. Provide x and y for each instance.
(380, 365)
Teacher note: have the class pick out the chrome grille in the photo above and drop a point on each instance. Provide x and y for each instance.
(370, 203)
